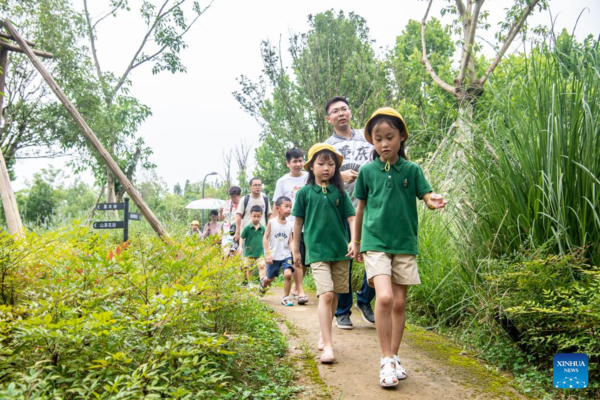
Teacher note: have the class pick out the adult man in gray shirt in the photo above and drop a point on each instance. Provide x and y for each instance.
(351, 143)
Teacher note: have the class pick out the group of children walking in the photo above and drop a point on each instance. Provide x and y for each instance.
(383, 232)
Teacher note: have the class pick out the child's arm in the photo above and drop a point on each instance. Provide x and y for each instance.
(434, 201)
(291, 241)
(351, 244)
(268, 256)
(241, 242)
(358, 220)
(299, 222)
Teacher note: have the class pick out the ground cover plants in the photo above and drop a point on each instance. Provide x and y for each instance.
(85, 317)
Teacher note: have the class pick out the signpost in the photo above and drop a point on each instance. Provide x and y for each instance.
(117, 224)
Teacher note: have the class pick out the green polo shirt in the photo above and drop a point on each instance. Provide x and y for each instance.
(324, 214)
(390, 220)
(253, 240)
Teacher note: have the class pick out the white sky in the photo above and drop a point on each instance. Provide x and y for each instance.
(195, 117)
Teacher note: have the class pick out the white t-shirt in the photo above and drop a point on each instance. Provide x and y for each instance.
(288, 186)
(252, 201)
(279, 240)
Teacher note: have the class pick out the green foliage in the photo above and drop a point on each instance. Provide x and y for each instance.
(83, 319)
(554, 301)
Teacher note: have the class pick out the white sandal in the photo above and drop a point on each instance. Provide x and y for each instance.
(387, 373)
(400, 371)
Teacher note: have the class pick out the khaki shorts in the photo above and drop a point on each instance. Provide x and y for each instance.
(255, 262)
(331, 276)
(401, 267)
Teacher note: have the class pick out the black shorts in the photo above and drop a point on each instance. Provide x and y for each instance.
(303, 250)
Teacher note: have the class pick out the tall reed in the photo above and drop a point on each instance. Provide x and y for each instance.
(536, 172)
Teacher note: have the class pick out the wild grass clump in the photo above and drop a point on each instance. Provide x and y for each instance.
(84, 318)
(536, 172)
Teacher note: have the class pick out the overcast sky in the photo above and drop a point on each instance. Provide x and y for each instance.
(195, 117)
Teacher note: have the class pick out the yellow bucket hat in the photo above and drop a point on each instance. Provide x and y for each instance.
(383, 111)
(194, 222)
(322, 146)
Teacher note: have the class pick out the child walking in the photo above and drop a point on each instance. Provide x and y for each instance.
(252, 244)
(322, 206)
(386, 231)
(278, 253)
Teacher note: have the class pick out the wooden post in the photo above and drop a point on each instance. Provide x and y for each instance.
(89, 134)
(9, 202)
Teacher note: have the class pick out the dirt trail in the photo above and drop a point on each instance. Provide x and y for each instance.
(436, 368)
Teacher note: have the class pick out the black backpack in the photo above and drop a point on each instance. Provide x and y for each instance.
(266, 199)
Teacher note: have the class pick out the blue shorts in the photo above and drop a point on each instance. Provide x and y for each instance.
(273, 269)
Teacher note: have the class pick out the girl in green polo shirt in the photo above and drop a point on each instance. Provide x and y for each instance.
(386, 230)
(322, 207)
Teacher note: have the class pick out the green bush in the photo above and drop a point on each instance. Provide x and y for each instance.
(84, 319)
(553, 302)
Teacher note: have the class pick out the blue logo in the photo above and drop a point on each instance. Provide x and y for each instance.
(570, 371)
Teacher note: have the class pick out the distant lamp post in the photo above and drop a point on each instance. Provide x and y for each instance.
(203, 183)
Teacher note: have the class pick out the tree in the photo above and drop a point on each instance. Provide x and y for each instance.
(166, 25)
(467, 86)
(33, 122)
(334, 58)
(426, 108)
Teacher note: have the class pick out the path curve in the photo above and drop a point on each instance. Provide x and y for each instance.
(442, 373)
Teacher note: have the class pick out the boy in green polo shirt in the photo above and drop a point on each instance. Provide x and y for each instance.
(386, 220)
(252, 243)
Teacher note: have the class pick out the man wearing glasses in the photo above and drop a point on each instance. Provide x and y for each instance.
(351, 143)
(255, 198)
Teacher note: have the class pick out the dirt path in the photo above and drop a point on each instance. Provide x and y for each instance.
(436, 368)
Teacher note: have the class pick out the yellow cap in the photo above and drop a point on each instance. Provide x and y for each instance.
(194, 222)
(319, 147)
(384, 111)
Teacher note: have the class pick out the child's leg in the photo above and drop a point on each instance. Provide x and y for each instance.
(287, 281)
(326, 312)
(262, 267)
(398, 315)
(298, 277)
(384, 303)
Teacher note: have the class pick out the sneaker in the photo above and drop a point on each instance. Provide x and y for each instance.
(343, 321)
(286, 301)
(366, 312)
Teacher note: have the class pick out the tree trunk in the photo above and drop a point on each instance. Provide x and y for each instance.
(9, 202)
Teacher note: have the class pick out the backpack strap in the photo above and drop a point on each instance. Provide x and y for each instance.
(266, 199)
(246, 200)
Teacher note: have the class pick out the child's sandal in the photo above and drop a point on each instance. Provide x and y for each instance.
(387, 373)
(400, 371)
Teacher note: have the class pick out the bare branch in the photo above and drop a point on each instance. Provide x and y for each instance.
(469, 40)
(165, 46)
(159, 16)
(109, 13)
(511, 36)
(90, 30)
(425, 60)
(139, 50)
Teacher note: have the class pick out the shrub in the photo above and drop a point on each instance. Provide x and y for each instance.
(553, 302)
(137, 320)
